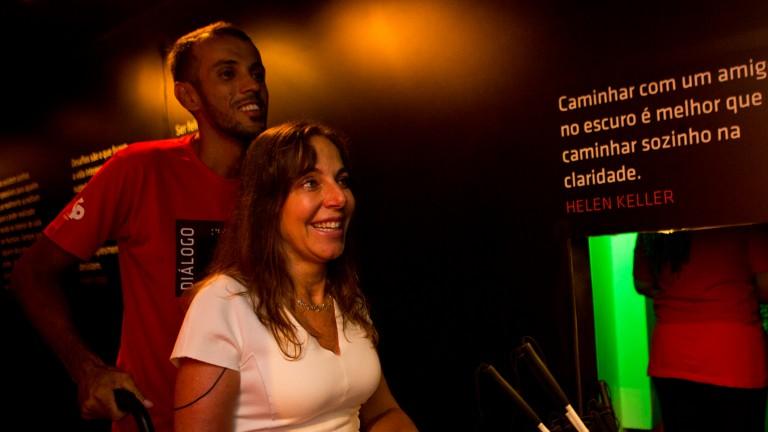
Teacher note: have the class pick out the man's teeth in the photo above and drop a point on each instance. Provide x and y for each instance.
(249, 107)
(327, 225)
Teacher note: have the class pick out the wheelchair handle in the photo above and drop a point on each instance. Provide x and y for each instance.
(129, 403)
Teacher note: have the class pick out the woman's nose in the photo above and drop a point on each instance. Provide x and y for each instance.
(334, 196)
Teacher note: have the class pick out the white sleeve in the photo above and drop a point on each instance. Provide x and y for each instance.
(212, 331)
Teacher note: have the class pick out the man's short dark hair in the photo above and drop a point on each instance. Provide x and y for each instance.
(182, 59)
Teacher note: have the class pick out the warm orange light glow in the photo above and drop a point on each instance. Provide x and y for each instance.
(390, 37)
(285, 58)
(426, 52)
(423, 46)
(142, 84)
(296, 72)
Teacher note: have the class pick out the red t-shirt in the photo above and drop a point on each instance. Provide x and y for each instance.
(708, 326)
(164, 207)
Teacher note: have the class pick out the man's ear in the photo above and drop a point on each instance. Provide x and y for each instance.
(187, 96)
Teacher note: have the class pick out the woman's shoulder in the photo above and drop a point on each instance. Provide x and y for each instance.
(220, 287)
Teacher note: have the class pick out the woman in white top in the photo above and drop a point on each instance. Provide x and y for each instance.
(279, 337)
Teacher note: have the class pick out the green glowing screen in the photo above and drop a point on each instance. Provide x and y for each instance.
(623, 319)
(622, 322)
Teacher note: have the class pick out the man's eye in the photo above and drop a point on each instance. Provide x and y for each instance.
(226, 74)
(259, 75)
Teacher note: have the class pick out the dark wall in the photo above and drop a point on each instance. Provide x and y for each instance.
(452, 113)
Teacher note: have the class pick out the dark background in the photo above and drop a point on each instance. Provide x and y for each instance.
(451, 109)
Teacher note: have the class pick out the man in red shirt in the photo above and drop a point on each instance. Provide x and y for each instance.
(157, 199)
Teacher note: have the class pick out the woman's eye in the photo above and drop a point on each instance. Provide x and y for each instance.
(309, 184)
(343, 181)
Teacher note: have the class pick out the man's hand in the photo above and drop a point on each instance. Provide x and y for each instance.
(95, 392)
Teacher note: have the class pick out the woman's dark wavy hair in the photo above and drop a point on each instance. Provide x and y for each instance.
(250, 248)
(662, 250)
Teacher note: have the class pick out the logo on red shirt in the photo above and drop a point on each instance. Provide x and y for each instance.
(78, 211)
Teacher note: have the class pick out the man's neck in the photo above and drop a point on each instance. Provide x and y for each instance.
(222, 154)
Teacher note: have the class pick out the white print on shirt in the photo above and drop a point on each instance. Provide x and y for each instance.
(78, 211)
(195, 243)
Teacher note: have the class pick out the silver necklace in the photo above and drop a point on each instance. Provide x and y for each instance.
(320, 307)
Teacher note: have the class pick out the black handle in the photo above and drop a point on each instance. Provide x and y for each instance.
(129, 403)
(542, 372)
(510, 391)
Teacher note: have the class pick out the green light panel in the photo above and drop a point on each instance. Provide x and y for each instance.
(621, 329)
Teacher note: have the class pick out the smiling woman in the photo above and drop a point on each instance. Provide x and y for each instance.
(318, 209)
(282, 323)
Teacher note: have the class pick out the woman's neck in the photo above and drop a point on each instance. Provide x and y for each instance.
(309, 282)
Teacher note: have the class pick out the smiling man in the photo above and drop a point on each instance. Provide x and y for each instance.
(159, 200)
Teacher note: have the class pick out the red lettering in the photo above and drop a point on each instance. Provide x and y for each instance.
(645, 199)
(594, 204)
(631, 200)
(669, 197)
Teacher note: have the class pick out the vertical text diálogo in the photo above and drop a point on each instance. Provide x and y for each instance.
(195, 243)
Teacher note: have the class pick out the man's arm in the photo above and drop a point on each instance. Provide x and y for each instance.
(36, 281)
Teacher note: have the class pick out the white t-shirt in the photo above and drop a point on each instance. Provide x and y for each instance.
(321, 391)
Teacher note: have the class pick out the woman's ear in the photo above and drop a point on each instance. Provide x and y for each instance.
(187, 96)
